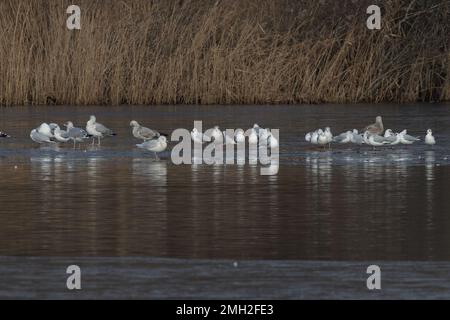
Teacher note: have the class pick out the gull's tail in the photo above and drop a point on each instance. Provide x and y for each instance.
(140, 145)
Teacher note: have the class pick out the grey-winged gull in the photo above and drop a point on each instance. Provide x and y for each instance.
(97, 130)
(155, 145)
(143, 133)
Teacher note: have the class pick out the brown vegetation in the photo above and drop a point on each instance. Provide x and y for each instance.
(223, 52)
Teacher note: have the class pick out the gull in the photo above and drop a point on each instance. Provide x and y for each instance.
(143, 133)
(429, 138)
(240, 136)
(228, 139)
(61, 135)
(253, 137)
(53, 126)
(38, 137)
(216, 134)
(197, 136)
(315, 136)
(329, 136)
(97, 130)
(374, 140)
(256, 128)
(4, 135)
(388, 133)
(344, 137)
(308, 136)
(263, 134)
(377, 127)
(273, 142)
(75, 134)
(45, 130)
(357, 138)
(322, 139)
(391, 137)
(155, 145)
(406, 138)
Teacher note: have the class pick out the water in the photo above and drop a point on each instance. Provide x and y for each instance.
(325, 210)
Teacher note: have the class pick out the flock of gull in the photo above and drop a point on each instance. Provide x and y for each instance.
(255, 135)
(373, 135)
(153, 141)
(52, 133)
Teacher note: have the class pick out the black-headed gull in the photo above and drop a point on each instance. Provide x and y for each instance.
(429, 138)
(344, 137)
(405, 138)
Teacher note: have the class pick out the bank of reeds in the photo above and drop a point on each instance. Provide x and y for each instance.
(223, 52)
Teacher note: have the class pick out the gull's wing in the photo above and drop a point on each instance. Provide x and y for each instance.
(77, 133)
(103, 130)
(150, 144)
(410, 138)
(39, 137)
(378, 138)
(340, 137)
(148, 133)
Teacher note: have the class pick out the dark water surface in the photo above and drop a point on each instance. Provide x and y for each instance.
(347, 204)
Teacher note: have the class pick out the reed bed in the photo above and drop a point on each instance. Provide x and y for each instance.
(223, 52)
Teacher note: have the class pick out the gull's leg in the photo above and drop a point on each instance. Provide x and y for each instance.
(93, 140)
(98, 140)
(74, 143)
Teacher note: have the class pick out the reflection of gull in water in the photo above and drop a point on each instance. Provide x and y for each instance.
(429, 138)
(154, 170)
(156, 145)
(39, 137)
